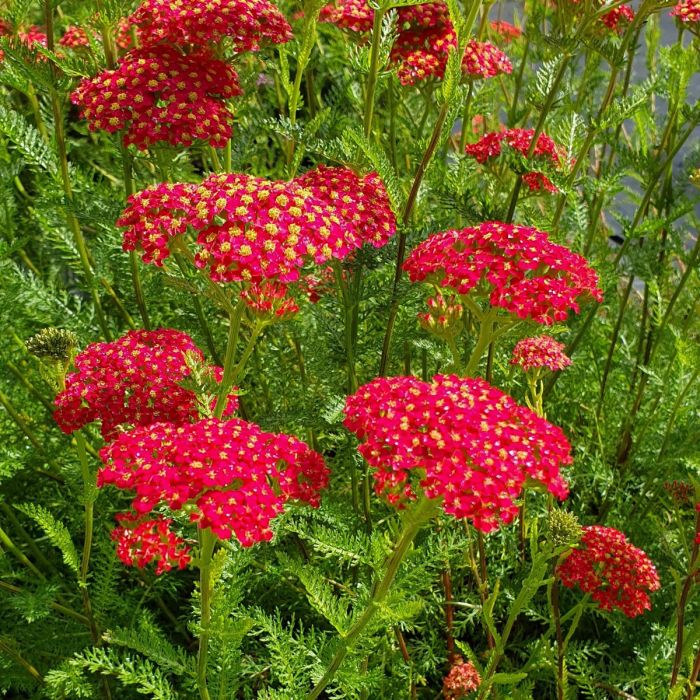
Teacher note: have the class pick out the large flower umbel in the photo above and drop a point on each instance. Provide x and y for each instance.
(250, 229)
(461, 440)
(517, 267)
(609, 567)
(198, 22)
(161, 94)
(229, 475)
(133, 380)
(490, 146)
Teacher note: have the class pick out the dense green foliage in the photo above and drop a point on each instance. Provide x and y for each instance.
(629, 402)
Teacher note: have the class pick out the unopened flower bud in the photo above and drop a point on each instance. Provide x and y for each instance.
(563, 528)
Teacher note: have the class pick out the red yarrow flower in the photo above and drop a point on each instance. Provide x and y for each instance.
(527, 274)
(74, 37)
(505, 30)
(132, 381)
(230, 476)
(201, 22)
(140, 543)
(618, 17)
(490, 146)
(542, 351)
(250, 229)
(687, 11)
(352, 15)
(159, 94)
(462, 679)
(457, 439)
(609, 567)
(424, 40)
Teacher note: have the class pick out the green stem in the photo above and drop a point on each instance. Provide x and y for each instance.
(401, 251)
(482, 343)
(228, 378)
(89, 500)
(415, 518)
(680, 608)
(129, 189)
(373, 71)
(71, 219)
(206, 550)
(549, 101)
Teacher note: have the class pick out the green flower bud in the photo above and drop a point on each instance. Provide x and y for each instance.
(563, 528)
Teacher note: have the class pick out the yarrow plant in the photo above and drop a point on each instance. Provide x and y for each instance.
(425, 38)
(612, 570)
(520, 140)
(516, 268)
(461, 441)
(462, 680)
(382, 231)
(132, 381)
(159, 94)
(538, 352)
(229, 476)
(250, 229)
(246, 22)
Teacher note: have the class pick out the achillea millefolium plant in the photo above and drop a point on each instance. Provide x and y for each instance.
(350, 350)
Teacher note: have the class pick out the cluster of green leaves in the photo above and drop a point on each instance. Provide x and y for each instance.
(280, 611)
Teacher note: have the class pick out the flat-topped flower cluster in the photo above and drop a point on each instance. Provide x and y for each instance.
(457, 439)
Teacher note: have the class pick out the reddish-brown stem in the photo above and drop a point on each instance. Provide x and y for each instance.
(680, 613)
(449, 615)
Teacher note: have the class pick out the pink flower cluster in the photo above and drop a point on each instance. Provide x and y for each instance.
(160, 94)
(462, 679)
(615, 18)
(491, 144)
(131, 381)
(230, 476)
(461, 440)
(529, 275)
(609, 567)
(505, 30)
(352, 15)
(201, 22)
(250, 229)
(425, 37)
(74, 37)
(687, 11)
(618, 17)
(542, 351)
(141, 542)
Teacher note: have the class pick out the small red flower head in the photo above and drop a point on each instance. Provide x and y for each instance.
(462, 679)
(201, 22)
(250, 229)
(74, 38)
(484, 60)
(527, 274)
(542, 351)
(351, 15)
(130, 381)
(461, 440)
(490, 146)
(505, 30)
(618, 17)
(160, 94)
(230, 475)
(141, 542)
(609, 567)
(687, 11)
